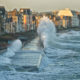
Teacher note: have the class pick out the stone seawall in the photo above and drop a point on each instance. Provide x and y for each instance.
(25, 37)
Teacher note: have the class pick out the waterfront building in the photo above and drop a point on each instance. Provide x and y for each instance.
(35, 20)
(12, 21)
(75, 19)
(65, 17)
(78, 13)
(26, 17)
(62, 18)
(2, 18)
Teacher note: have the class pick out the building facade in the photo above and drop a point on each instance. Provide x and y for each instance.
(75, 19)
(2, 18)
(26, 19)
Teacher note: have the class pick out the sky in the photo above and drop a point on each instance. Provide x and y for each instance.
(41, 5)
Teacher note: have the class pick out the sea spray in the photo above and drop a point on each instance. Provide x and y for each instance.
(48, 37)
(14, 47)
(5, 57)
(45, 26)
(46, 30)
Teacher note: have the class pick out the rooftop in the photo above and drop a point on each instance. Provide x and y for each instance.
(65, 12)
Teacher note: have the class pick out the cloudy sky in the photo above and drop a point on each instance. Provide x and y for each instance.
(41, 5)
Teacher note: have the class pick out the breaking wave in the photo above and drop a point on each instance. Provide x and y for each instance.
(5, 58)
(49, 38)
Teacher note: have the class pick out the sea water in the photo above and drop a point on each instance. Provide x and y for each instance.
(62, 55)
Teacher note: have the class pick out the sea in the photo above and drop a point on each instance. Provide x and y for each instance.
(62, 55)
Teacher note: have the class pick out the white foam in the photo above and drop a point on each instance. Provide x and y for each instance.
(15, 46)
(46, 30)
(5, 57)
(47, 33)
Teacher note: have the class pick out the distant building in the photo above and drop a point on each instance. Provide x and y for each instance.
(65, 17)
(2, 18)
(62, 18)
(25, 11)
(35, 19)
(66, 12)
(2, 11)
(13, 14)
(78, 14)
(12, 21)
(75, 19)
(26, 18)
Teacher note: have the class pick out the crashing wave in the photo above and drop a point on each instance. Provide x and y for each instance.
(48, 36)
